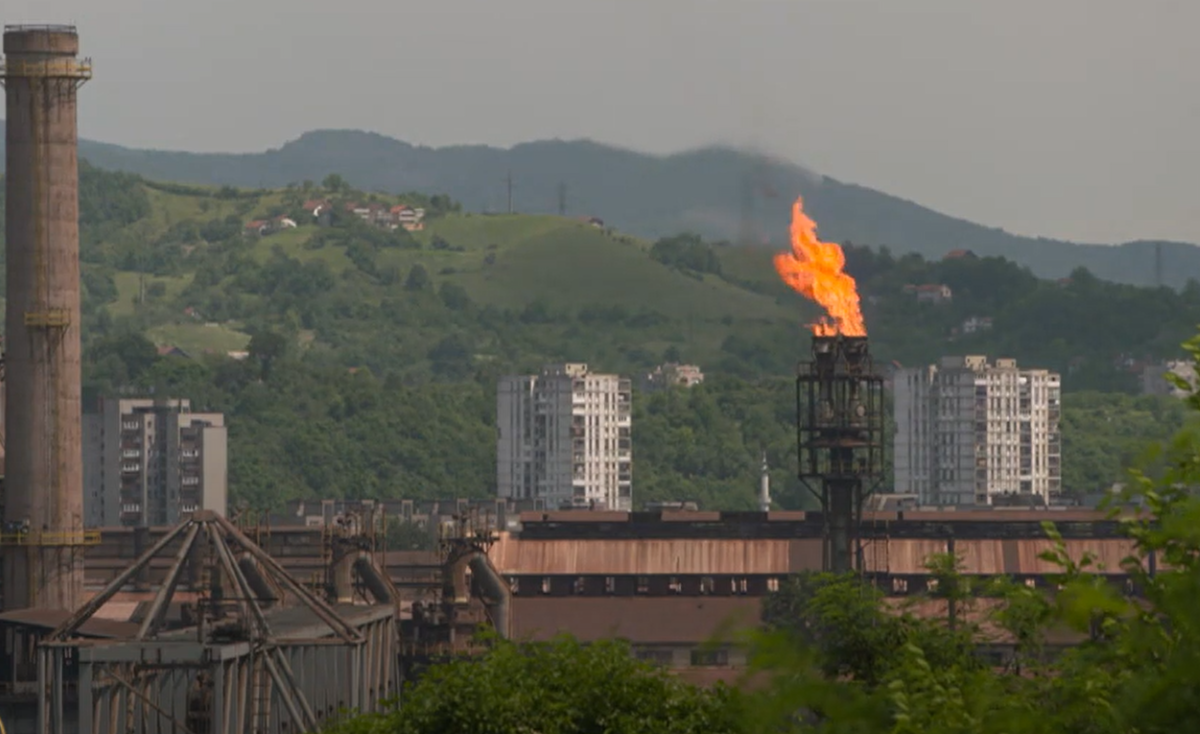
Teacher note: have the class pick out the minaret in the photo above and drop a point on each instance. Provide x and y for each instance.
(764, 487)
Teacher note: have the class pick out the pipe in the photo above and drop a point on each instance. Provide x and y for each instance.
(262, 590)
(494, 587)
(373, 580)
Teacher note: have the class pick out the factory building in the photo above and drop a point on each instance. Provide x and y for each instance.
(151, 462)
(564, 438)
(971, 432)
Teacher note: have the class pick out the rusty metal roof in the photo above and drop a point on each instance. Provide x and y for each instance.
(50, 619)
(641, 620)
(515, 556)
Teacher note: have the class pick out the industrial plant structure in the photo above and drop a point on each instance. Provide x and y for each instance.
(43, 493)
(839, 408)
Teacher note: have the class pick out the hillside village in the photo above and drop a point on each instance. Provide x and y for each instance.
(391, 218)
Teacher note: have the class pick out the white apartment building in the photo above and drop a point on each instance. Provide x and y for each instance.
(149, 462)
(970, 432)
(1154, 378)
(564, 437)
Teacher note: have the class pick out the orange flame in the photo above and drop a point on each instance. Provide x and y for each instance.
(814, 269)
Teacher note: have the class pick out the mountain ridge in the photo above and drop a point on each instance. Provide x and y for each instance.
(650, 195)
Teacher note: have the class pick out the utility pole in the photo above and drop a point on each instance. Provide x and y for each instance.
(508, 182)
(562, 199)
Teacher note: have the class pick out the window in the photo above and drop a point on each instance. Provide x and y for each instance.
(705, 657)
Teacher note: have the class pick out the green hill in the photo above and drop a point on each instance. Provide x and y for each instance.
(365, 360)
(649, 196)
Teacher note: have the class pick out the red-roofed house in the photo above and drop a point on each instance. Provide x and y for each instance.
(315, 206)
(960, 255)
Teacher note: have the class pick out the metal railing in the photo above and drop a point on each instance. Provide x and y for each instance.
(51, 538)
(43, 28)
(57, 68)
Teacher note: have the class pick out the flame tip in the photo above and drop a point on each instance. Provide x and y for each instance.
(815, 270)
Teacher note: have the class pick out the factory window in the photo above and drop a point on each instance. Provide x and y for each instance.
(643, 585)
(610, 585)
(675, 585)
(900, 586)
(704, 657)
(545, 584)
(580, 585)
(772, 584)
(706, 585)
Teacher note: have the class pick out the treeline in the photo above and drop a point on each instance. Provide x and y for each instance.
(303, 425)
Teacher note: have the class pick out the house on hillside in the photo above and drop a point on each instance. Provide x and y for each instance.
(410, 218)
(596, 222)
(264, 227)
(168, 350)
(976, 324)
(936, 293)
(960, 255)
(670, 375)
(315, 207)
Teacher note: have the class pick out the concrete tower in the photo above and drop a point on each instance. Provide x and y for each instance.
(43, 490)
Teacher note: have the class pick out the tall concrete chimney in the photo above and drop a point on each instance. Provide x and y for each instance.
(764, 486)
(43, 488)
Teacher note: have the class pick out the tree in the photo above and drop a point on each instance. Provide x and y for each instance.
(561, 686)
(266, 347)
(418, 278)
(334, 183)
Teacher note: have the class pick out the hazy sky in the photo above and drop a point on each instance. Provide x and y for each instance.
(1069, 118)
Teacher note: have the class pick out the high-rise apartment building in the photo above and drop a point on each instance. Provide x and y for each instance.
(151, 462)
(564, 437)
(970, 432)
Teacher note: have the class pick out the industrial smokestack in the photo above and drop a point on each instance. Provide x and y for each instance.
(764, 487)
(43, 503)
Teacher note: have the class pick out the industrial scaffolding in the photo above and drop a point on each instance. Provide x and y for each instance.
(261, 653)
(840, 439)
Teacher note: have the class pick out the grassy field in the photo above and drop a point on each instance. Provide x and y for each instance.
(196, 339)
(512, 260)
(128, 288)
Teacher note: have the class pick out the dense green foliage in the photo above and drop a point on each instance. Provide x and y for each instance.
(376, 353)
(648, 195)
(561, 687)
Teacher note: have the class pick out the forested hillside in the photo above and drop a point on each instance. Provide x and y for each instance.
(373, 354)
(650, 196)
